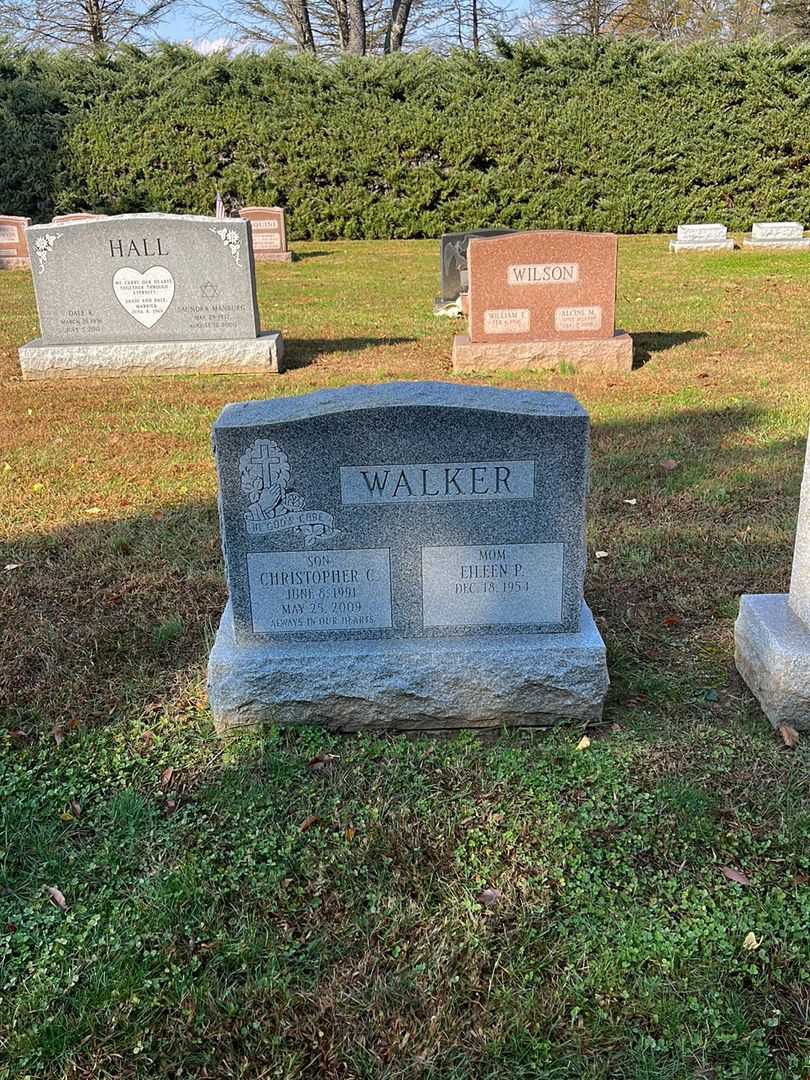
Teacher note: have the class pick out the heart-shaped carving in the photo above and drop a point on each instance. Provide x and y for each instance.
(146, 297)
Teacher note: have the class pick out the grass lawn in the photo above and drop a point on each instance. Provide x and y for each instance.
(302, 905)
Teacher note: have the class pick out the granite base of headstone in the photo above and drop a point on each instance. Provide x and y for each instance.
(772, 635)
(13, 248)
(452, 301)
(712, 237)
(782, 235)
(146, 294)
(543, 301)
(405, 557)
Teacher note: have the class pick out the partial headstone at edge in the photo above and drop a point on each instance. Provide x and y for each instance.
(13, 246)
(784, 235)
(772, 635)
(407, 556)
(146, 294)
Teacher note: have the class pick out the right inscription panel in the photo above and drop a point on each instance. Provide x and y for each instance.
(498, 585)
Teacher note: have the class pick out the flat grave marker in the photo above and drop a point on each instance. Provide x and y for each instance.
(785, 235)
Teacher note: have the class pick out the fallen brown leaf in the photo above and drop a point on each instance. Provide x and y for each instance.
(166, 777)
(75, 808)
(672, 620)
(320, 760)
(57, 897)
(668, 464)
(351, 832)
(490, 898)
(737, 876)
(308, 822)
(790, 736)
(58, 734)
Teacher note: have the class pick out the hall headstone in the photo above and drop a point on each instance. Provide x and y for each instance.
(541, 300)
(453, 270)
(146, 294)
(269, 233)
(787, 235)
(702, 238)
(405, 556)
(772, 634)
(13, 248)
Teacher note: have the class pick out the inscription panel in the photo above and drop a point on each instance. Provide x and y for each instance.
(507, 321)
(9, 234)
(302, 591)
(437, 482)
(497, 585)
(578, 318)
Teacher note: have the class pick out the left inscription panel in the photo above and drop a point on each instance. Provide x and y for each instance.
(301, 591)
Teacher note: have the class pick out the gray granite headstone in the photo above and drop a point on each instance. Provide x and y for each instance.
(453, 257)
(143, 277)
(145, 294)
(399, 525)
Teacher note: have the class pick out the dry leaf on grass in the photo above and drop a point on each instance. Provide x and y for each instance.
(166, 777)
(308, 822)
(750, 943)
(668, 464)
(57, 897)
(490, 898)
(737, 876)
(58, 734)
(320, 760)
(75, 808)
(583, 743)
(790, 736)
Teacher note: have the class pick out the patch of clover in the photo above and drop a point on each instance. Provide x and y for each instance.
(230, 238)
(43, 246)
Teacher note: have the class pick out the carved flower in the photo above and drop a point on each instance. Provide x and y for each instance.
(294, 501)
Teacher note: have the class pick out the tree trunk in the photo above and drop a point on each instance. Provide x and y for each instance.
(395, 32)
(476, 40)
(357, 28)
(95, 23)
(298, 11)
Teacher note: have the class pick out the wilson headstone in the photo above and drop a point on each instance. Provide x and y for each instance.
(269, 233)
(543, 300)
(772, 635)
(13, 248)
(146, 294)
(712, 237)
(405, 556)
(787, 235)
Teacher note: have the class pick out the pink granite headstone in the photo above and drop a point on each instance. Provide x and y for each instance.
(13, 247)
(543, 299)
(82, 215)
(269, 233)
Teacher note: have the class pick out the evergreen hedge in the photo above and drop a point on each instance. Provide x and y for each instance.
(625, 134)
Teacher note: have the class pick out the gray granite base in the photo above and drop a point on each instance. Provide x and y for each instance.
(263, 354)
(782, 245)
(598, 356)
(425, 684)
(722, 245)
(772, 653)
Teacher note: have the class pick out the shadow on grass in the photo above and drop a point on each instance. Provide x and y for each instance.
(644, 345)
(110, 617)
(299, 256)
(301, 353)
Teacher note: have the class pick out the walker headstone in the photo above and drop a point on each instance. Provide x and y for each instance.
(405, 556)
